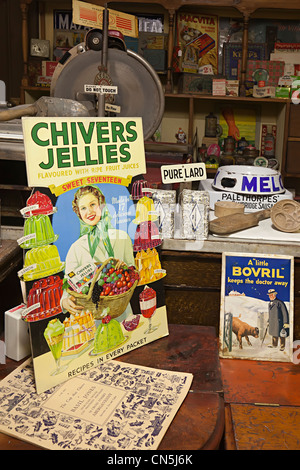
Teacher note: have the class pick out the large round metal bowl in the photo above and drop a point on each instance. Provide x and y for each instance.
(248, 180)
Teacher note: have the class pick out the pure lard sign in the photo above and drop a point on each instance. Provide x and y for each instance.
(183, 173)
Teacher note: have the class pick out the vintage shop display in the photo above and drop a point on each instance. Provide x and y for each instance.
(235, 131)
(44, 227)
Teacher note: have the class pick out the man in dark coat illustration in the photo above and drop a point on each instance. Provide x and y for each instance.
(278, 320)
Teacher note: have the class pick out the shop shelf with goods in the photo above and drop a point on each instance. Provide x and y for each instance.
(187, 111)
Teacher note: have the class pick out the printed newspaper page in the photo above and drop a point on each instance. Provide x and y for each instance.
(115, 406)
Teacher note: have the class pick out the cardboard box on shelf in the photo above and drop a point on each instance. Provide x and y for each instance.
(195, 83)
(219, 87)
(263, 92)
(232, 87)
(48, 67)
(275, 70)
(282, 92)
(43, 81)
(152, 41)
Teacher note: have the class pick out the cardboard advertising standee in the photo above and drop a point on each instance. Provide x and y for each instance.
(87, 301)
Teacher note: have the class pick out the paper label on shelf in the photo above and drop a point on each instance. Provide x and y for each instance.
(206, 70)
(195, 217)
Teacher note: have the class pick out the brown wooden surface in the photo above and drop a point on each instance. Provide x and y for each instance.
(199, 423)
(191, 306)
(10, 257)
(11, 443)
(11, 260)
(188, 348)
(292, 157)
(294, 130)
(246, 381)
(265, 427)
(229, 439)
(262, 405)
(192, 269)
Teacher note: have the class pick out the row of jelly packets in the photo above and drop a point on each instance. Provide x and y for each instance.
(191, 214)
(41, 260)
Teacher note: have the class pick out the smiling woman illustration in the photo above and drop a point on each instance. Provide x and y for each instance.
(98, 240)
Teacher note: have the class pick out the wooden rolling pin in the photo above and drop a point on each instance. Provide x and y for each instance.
(236, 222)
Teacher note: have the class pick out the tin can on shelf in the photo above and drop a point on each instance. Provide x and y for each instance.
(229, 145)
(212, 128)
(242, 143)
(269, 144)
(250, 153)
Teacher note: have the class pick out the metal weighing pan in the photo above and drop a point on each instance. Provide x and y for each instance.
(140, 92)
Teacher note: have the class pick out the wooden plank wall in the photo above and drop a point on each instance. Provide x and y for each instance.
(11, 63)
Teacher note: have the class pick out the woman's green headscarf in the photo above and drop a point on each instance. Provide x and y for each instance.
(99, 232)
